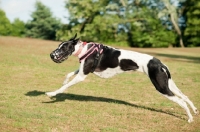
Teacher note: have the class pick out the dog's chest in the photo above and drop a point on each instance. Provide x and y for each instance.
(109, 72)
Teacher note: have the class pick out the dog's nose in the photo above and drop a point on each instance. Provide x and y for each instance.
(51, 55)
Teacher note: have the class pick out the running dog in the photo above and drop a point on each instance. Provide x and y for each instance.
(105, 62)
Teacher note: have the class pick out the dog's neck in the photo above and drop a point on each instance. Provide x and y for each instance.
(79, 48)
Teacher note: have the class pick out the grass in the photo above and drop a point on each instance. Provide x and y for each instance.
(127, 102)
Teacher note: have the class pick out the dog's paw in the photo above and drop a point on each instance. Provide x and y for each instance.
(50, 94)
(190, 120)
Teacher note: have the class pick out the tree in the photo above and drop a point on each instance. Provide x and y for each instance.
(171, 11)
(43, 25)
(192, 31)
(18, 28)
(126, 21)
(5, 25)
(94, 20)
(150, 32)
(143, 30)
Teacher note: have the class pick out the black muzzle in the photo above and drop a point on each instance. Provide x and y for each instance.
(59, 56)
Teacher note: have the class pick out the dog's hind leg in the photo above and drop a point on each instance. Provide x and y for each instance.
(70, 75)
(175, 90)
(183, 104)
(160, 82)
(160, 76)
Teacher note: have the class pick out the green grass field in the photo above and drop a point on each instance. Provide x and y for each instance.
(125, 103)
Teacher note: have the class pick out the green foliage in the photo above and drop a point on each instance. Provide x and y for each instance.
(5, 25)
(127, 23)
(148, 31)
(192, 31)
(93, 20)
(43, 25)
(18, 28)
(170, 11)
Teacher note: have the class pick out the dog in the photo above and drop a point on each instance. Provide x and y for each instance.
(105, 62)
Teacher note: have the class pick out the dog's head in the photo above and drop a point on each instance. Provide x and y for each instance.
(64, 50)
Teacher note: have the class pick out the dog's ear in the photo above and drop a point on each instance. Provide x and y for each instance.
(75, 41)
(74, 37)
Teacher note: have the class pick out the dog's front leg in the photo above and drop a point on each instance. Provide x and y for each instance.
(70, 75)
(78, 78)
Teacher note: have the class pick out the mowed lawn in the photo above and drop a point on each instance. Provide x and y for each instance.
(125, 103)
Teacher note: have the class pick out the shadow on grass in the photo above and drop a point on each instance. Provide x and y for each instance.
(67, 96)
(178, 57)
(34, 93)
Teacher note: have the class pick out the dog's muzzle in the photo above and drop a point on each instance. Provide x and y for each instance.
(58, 56)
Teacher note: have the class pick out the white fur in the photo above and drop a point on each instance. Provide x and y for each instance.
(177, 92)
(78, 78)
(182, 104)
(109, 72)
(70, 75)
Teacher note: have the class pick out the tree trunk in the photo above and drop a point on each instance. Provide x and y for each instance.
(123, 3)
(177, 30)
(172, 12)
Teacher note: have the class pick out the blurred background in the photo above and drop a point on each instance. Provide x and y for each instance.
(134, 23)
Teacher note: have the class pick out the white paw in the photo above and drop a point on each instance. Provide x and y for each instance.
(190, 120)
(50, 94)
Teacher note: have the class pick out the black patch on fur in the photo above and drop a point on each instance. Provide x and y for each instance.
(159, 77)
(89, 62)
(108, 59)
(127, 64)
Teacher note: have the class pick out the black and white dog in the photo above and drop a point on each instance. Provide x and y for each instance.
(105, 62)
